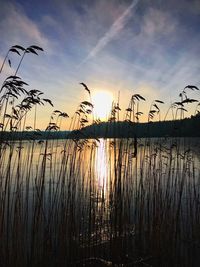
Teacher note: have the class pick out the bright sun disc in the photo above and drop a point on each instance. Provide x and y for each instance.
(102, 101)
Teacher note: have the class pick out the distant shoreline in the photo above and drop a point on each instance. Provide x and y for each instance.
(177, 128)
(120, 129)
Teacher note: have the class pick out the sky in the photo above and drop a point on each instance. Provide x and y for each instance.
(147, 47)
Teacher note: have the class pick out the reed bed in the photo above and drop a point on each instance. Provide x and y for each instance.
(100, 202)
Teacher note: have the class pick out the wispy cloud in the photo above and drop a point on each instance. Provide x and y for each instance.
(17, 28)
(114, 30)
(146, 47)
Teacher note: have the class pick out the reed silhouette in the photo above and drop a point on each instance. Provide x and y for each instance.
(94, 202)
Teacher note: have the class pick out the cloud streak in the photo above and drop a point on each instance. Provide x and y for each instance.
(114, 30)
(132, 46)
(17, 28)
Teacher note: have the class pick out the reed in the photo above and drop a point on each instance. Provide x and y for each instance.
(84, 202)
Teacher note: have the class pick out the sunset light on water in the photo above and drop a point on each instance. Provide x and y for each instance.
(99, 133)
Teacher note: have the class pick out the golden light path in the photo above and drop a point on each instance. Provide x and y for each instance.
(102, 166)
(102, 101)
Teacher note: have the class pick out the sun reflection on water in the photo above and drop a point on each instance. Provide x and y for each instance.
(102, 166)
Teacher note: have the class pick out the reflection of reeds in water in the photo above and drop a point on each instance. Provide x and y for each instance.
(95, 202)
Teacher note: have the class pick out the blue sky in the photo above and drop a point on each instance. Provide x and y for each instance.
(142, 46)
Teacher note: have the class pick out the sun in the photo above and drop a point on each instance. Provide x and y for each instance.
(102, 101)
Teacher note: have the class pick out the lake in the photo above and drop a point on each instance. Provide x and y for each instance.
(113, 201)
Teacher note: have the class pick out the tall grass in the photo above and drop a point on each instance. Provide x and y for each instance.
(83, 202)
